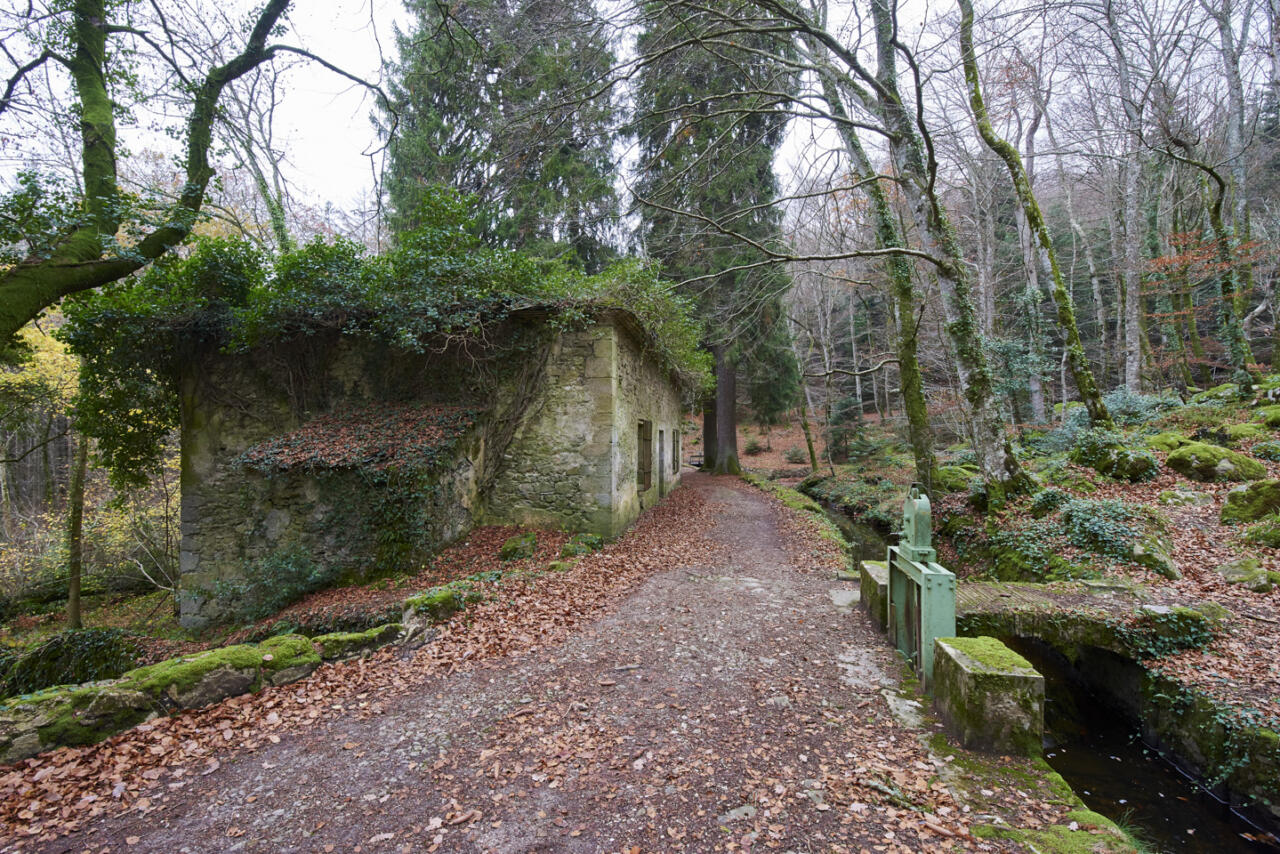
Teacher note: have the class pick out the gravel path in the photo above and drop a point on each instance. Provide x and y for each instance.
(728, 706)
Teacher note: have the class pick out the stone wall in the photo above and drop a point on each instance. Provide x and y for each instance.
(554, 443)
(234, 516)
(573, 462)
(643, 391)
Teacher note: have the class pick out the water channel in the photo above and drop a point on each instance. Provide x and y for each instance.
(1100, 754)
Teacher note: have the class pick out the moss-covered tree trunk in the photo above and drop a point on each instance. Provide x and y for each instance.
(75, 532)
(82, 260)
(1047, 258)
(1000, 468)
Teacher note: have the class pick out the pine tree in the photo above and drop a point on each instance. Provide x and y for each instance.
(492, 101)
(709, 122)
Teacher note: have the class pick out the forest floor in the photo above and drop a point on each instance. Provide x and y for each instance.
(699, 685)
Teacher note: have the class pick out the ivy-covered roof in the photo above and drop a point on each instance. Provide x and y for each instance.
(377, 437)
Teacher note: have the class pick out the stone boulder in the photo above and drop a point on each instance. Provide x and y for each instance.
(1248, 573)
(1212, 464)
(1252, 502)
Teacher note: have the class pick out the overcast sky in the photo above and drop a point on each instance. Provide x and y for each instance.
(324, 118)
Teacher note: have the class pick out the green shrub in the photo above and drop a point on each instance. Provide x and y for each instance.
(1265, 532)
(1267, 451)
(753, 448)
(795, 455)
(275, 582)
(1105, 527)
(70, 657)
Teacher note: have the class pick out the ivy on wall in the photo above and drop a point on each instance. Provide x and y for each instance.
(438, 283)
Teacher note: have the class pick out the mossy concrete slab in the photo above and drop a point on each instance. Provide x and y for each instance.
(340, 645)
(988, 696)
(873, 590)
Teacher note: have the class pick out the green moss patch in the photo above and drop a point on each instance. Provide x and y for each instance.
(1240, 432)
(1251, 503)
(1210, 463)
(581, 544)
(179, 676)
(347, 644)
(1167, 441)
(990, 653)
(954, 478)
(1269, 415)
(519, 547)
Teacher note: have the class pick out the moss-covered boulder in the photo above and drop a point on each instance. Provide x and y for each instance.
(85, 714)
(1265, 532)
(339, 645)
(1105, 453)
(1218, 394)
(1154, 553)
(1241, 432)
(1210, 464)
(1251, 502)
(1269, 415)
(1167, 441)
(988, 696)
(68, 715)
(519, 547)
(1184, 498)
(954, 478)
(581, 544)
(437, 604)
(1248, 573)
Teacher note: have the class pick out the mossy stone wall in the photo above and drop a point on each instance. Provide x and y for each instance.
(554, 444)
(573, 462)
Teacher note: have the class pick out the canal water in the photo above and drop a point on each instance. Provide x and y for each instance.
(1102, 756)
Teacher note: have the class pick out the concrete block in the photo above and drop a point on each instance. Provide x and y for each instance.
(989, 697)
(874, 590)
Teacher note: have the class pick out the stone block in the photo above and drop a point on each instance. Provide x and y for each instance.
(989, 697)
(873, 577)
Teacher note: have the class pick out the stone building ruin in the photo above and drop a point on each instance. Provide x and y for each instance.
(364, 456)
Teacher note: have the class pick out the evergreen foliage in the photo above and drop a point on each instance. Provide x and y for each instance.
(491, 99)
(134, 336)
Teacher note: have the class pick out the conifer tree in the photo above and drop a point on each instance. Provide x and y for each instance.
(498, 101)
(710, 116)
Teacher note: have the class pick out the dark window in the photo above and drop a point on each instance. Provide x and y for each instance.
(675, 452)
(644, 455)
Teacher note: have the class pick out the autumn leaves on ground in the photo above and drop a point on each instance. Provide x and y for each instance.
(690, 687)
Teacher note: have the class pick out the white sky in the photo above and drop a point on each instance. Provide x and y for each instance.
(325, 119)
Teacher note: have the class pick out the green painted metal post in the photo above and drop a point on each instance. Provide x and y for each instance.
(914, 571)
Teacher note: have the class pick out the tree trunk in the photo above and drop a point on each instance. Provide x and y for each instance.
(726, 461)
(709, 435)
(999, 465)
(889, 235)
(75, 532)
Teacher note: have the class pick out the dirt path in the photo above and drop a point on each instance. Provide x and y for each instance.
(723, 706)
